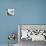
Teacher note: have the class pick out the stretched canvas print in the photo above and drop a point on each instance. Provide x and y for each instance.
(10, 12)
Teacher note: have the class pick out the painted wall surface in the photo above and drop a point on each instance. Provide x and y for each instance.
(27, 12)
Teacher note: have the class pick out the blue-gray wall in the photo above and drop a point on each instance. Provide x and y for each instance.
(27, 12)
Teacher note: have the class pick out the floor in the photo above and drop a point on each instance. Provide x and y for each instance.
(30, 43)
(7, 45)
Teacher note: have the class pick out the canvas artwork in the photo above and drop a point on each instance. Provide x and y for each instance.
(10, 12)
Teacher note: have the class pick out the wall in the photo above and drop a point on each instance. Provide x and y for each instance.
(27, 12)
